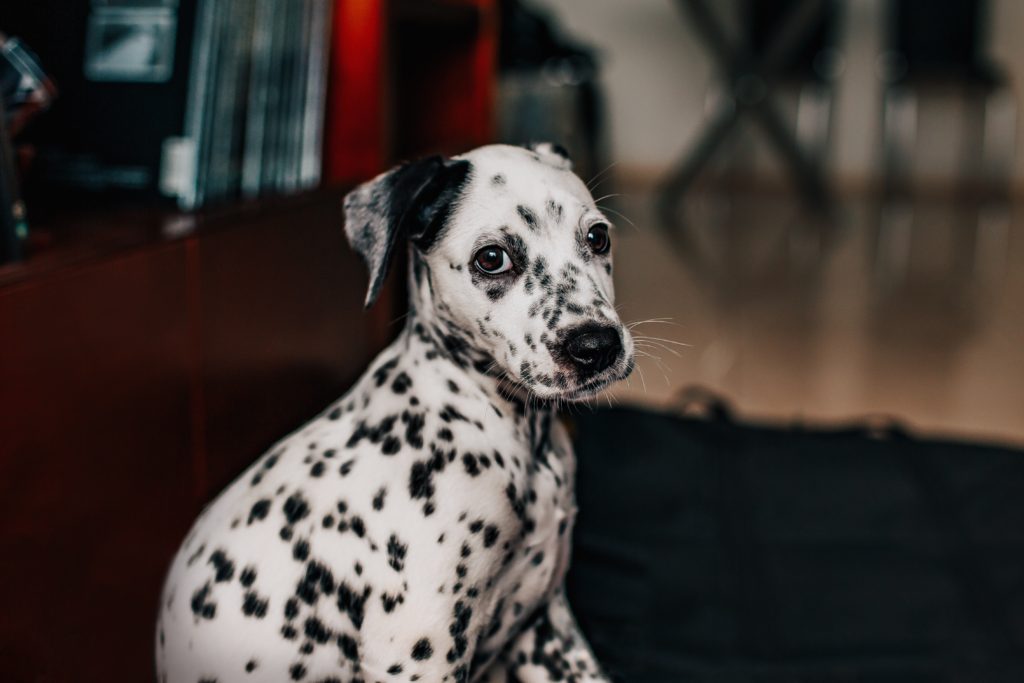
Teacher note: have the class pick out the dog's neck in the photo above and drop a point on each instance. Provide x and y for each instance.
(436, 340)
(430, 333)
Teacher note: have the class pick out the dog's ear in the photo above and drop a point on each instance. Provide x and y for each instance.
(552, 154)
(409, 202)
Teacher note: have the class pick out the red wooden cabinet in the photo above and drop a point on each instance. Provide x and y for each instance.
(409, 77)
(95, 471)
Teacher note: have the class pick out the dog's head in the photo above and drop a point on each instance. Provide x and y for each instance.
(511, 264)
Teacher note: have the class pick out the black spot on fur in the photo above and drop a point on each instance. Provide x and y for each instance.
(348, 646)
(396, 553)
(555, 210)
(247, 577)
(352, 603)
(528, 216)
(380, 375)
(196, 555)
(391, 445)
(317, 580)
(259, 510)
(254, 606)
(202, 607)
(316, 631)
(375, 434)
(401, 384)
(420, 483)
(414, 423)
(358, 526)
(389, 602)
(224, 568)
(450, 413)
(422, 650)
(470, 463)
(462, 614)
(295, 508)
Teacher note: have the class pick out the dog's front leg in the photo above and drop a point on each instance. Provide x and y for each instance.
(551, 648)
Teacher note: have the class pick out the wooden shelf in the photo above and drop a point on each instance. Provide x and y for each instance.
(77, 238)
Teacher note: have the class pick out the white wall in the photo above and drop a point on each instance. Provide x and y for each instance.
(655, 74)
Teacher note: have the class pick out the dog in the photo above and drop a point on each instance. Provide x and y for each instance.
(419, 528)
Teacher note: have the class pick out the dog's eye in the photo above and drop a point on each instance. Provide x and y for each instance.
(492, 260)
(598, 239)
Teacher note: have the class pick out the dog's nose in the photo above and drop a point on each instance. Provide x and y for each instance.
(592, 349)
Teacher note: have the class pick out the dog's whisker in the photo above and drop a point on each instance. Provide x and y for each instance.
(658, 348)
(643, 381)
(657, 361)
(620, 215)
(652, 321)
(611, 195)
(646, 344)
(591, 186)
(647, 337)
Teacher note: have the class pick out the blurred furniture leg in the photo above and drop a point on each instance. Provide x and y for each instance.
(936, 62)
(748, 79)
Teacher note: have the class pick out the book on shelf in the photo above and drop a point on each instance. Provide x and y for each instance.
(255, 101)
(198, 101)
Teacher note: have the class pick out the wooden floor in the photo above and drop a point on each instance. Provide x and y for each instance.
(910, 310)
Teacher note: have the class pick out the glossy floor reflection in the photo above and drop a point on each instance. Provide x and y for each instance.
(907, 310)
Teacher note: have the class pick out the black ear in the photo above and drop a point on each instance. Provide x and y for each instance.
(412, 201)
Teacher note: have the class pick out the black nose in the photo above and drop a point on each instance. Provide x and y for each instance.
(592, 349)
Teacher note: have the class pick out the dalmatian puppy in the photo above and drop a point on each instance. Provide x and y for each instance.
(419, 528)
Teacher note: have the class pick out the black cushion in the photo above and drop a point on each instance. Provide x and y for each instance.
(711, 550)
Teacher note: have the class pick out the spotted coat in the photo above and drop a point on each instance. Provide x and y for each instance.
(419, 528)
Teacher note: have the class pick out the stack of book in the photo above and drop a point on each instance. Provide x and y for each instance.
(254, 113)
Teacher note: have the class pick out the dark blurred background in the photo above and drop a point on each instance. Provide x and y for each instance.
(817, 221)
